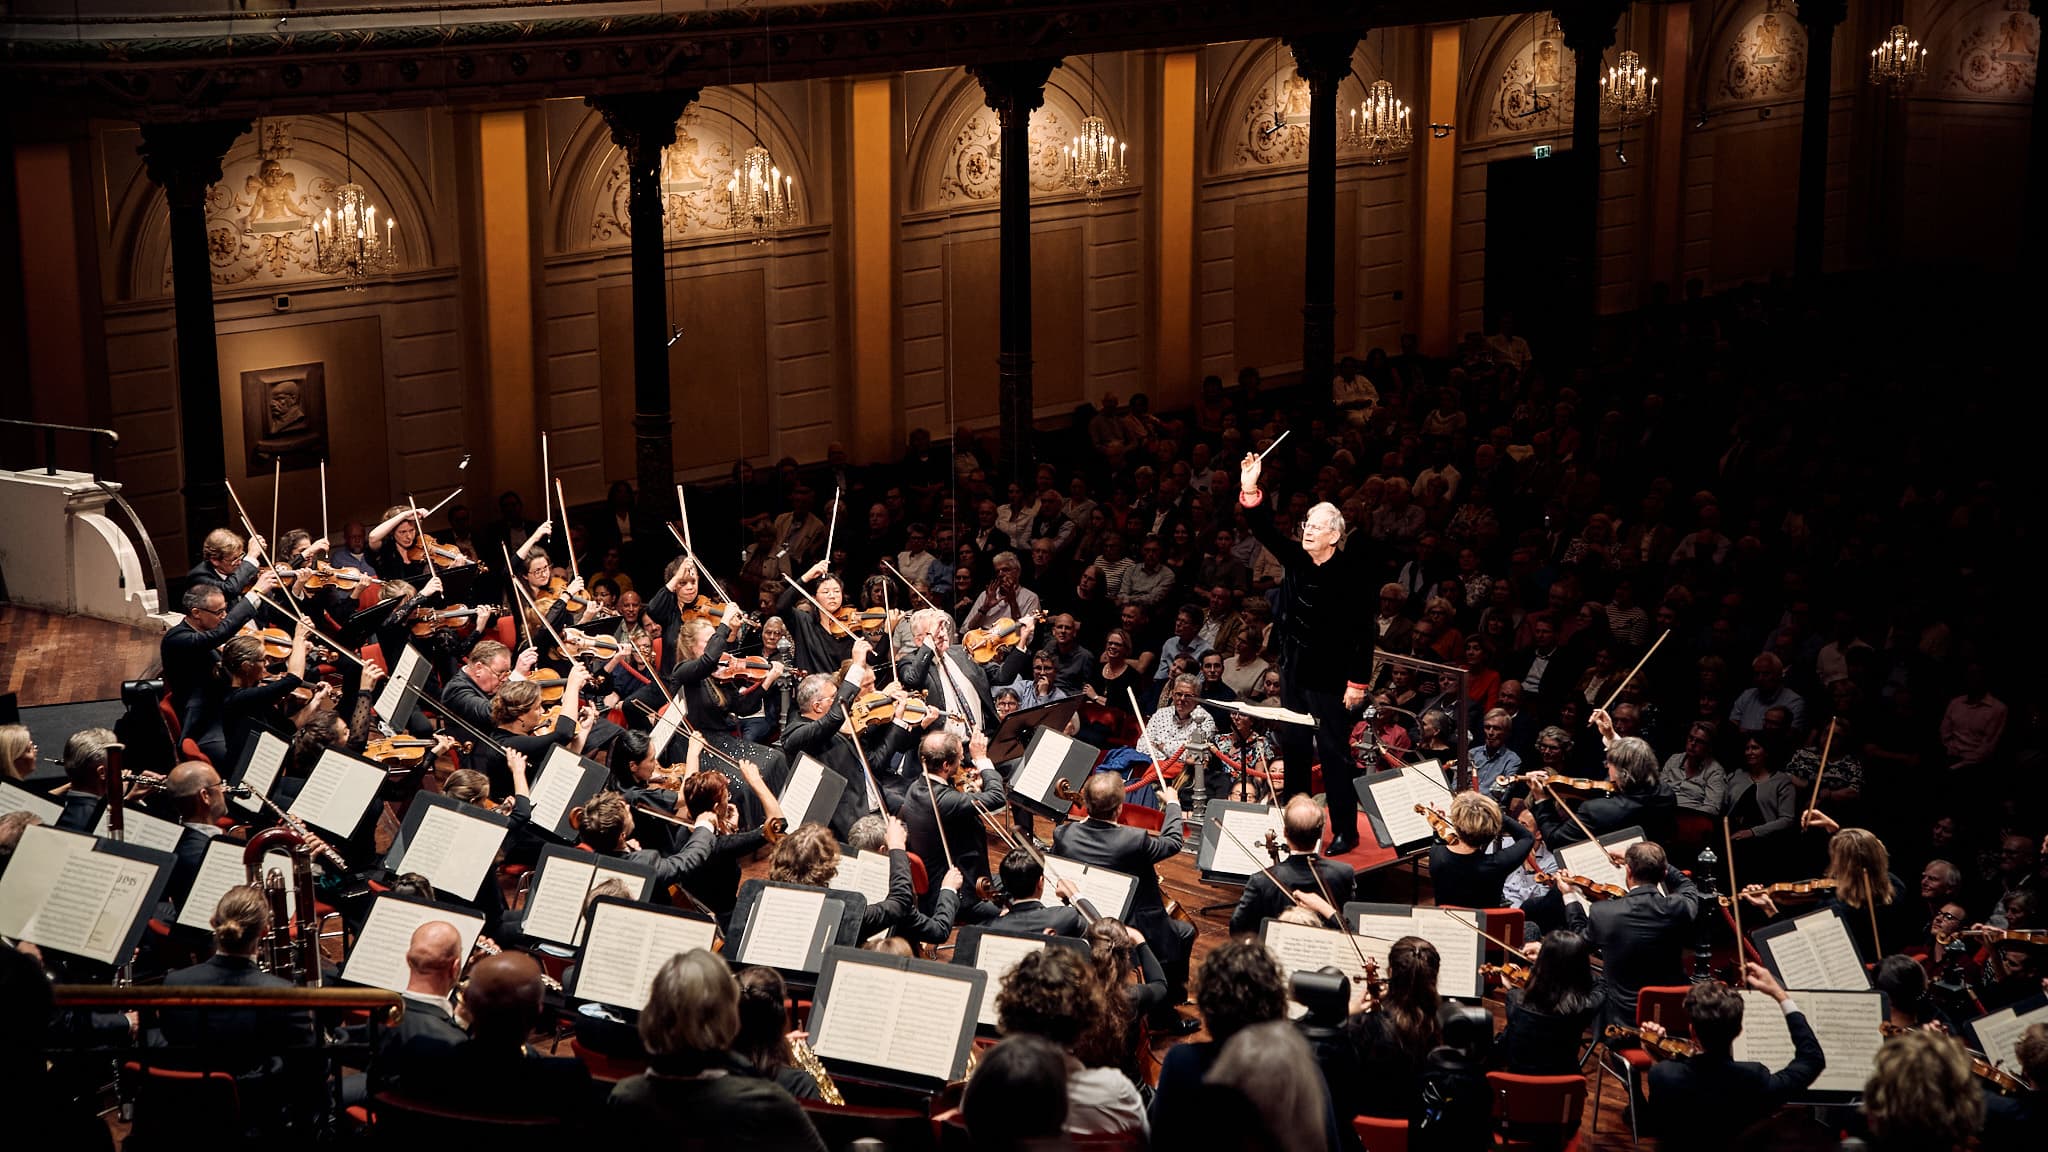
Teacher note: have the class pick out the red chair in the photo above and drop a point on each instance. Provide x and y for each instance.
(920, 880)
(1140, 817)
(174, 724)
(899, 1129)
(374, 652)
(1538, 1111)
(1662, 1004)
(189, 749)
(610, 1069)
(411, 1123)
(1510, 924)
(505, 631)
(166, 1100)
(368, 595)
(1381, 1135)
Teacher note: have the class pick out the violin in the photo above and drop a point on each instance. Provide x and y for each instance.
(985, 644)
(849, 621)
(557, 592)
(1509, 975)
(1272, 845)
(423, 545)
(324, 575)
(1995, 936)
(1797, 888)
(916, 710)
(427, 621)
(2006, 1082)
(1593, 888)
(753, 669)
(579, 644)
(1668, 1045)
(705, 608)
(402, 749)
(1438, 823)
(551, 683)
(277, 644)
(1581, 784)
(874, 708)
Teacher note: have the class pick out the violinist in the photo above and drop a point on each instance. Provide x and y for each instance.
(1866, 893)
(1642, 935)
(638, 775)
(817, 646)
(1391, 1039)
(1470, 871)
(526, 724)
(487, 668)
(553, 596)
(815, 731)
(950, 792)
(708, 702)
(1639, 798)
(809, 855)
(608, 827)
(191, 657)
(1547, 1019)
(708, 795)
(393, 540)
(665, 608)
(473, 789)
(404, 607)
(1261, 900)
(1706, 1101)
(1023, 904)
(1004, 598)
(937, 666)
(224, 563)
(251, 701)
(1100, 840)
(2020, 1120)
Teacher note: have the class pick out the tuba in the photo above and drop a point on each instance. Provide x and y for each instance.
(292, 950)
(815, 1068)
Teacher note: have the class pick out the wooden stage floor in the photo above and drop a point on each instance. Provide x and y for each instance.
(48, 658)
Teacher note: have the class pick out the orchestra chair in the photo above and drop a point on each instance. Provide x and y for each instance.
(949, 1131)
(374, 653)
(505, 631)
(174, 725)
(1537, 1111)
(368, 596)
(1660, 1004)
(1140, 817)
(899, 1129)
(1510, 924)
(166, 1100)
(610, 1069)
(920, 879)
(1378, 1134)
(189, 749)
(405, 1123)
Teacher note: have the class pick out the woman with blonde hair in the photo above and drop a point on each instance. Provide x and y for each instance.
(1921, 1095)
(1870, 898)
(17, 752)
(1463, 872)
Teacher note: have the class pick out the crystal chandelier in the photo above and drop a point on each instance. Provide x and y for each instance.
(758, 195)
(345, 239)
(1628, 93)
(1380, 124)
(1897, 61)
(1096, 160)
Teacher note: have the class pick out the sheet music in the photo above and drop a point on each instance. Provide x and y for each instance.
(1588, 858)
(665, 726)
(1818, 953)
(392, 694)
(780, 931)
(627, 945)
(1300, 948)
(867, 874)
(15, 798)
(1106, 889)
(1429, 780)
(560, 773)
(1233, 857)
(1397, 797)
(1998, 1032)
(69, 915)
(453, 850)
(38, 861)
(123, 906)
(1039, 769)
(892, 1018)
(996, 955)
(554, 908)
(1457, 949)
(337, 793)
(221, 870)
(1847, 1025)
(139, 827)
(378, 959)
(266, 760)
(804, 778)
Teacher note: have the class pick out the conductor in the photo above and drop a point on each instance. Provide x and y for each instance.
(1325, 647)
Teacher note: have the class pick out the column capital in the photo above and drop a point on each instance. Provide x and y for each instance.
(1013, 87)
(643, 123)
(1589, 26)
(185, 158)
(1824, 13)
(1322, 59)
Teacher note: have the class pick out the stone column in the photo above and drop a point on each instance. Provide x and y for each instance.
(643, 124)
(1014, 90)
(185, 160)
(1589, 33)
(1324, 61)
(1821, 18)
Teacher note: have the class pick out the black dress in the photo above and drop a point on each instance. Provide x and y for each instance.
(1537, 1043)
(1474, 880)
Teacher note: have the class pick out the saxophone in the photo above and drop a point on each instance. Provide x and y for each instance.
(815, 1069)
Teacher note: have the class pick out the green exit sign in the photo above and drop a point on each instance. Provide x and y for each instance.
(1542, 151)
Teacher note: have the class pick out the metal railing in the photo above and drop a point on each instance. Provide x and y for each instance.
(101, 470)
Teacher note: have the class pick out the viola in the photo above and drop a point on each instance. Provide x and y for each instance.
(1592, 888)
(985, 644)
(552, 683)
(1438, 823)
(1793, 888)
(916, 710)
(427, 621)
(1668, 1045)
(324, 575)
(872, 709)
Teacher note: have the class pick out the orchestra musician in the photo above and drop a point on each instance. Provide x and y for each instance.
(946, 797)
(191, 657)
(1325, 647)
(1263, 900)
(1101, 841)
(1642, 935)
(937, 666)
(1639, 799)
(1025, 908)
(817, 647)
(816, 731)
(1707, 1100)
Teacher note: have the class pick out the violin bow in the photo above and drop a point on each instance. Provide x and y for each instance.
(323, 497)
(1820, 773)
(291, 612)
(515, 577)
(907, 583)
(1559, 801)
(1734, 890)
(683, 511)
(874, 786)
(276, 498)
(530, 603)
(562, 502)
(832, 528)
(1513, 955)
(1616, 694)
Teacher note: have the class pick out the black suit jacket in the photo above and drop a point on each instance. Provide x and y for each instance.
(1261, 899)
(1133, 851)
(965, 834)
(914, 671)
(185, 861)
(1706, 1101)
(1656, 812)
(231, 585)
(1641, 937)
(1035, 916)
(820, 739)
(235, 1039)
(81, 811)
(408, 1056)
(190, 657)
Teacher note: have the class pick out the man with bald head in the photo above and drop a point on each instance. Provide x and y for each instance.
(201, 801)
(1322, 886)
(1325, 644)
(408, 1054)
(1101, 841)
(503, 1002)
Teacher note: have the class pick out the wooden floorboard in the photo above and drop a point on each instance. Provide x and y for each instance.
(49, 658)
